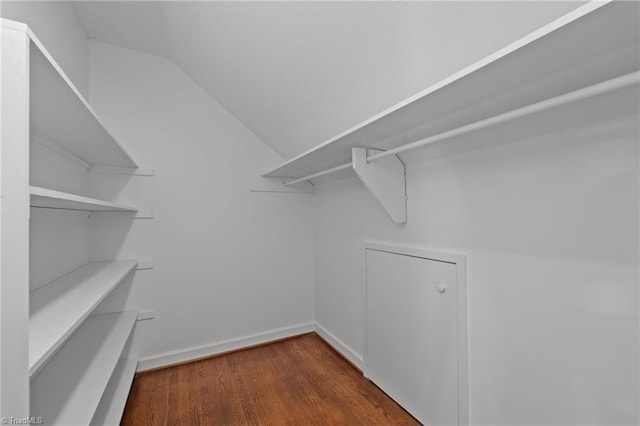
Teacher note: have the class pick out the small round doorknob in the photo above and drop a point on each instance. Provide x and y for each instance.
(441, 287)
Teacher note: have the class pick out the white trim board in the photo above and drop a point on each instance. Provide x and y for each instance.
(337, 344)
(195, 352)
(460, 261)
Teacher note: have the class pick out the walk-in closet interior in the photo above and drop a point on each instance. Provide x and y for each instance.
(432, 204)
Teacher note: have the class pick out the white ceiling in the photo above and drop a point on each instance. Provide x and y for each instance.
(298, 73)
(134, 24)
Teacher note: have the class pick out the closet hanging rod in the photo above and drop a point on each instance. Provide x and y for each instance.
(322, 173)
(577, 95)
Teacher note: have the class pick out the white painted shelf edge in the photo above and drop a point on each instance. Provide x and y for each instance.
(58, 308)
(49, 198)
(127, 160)
(613, 85)
(114, 399)
(335, 153)
(69, 389)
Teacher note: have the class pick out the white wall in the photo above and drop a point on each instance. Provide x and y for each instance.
(228, 262)
(550, 227)
(298, 73)
(57, 26)
(59, 239)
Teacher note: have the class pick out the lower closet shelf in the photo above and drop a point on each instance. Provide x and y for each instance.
(69, 388)
(57, 309)
(113, 401)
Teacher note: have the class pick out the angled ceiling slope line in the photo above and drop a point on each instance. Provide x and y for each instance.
(296, 74)
(133, 24)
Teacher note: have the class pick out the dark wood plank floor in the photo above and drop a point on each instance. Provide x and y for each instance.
(300, 381)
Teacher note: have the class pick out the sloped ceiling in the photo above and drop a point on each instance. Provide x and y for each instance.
(133, 24)
(298, 73)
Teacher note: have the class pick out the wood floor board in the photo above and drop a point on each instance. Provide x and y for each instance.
(300, 381)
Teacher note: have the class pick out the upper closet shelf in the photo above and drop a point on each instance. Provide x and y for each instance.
(49, 198)
(60, 114)
(592, 52)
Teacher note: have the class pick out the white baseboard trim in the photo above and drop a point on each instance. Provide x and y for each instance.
(175, 357)
(340, 346)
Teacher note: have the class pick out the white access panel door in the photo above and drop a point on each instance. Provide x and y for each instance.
(412, 340)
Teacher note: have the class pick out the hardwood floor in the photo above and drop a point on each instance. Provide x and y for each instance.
(300, 381)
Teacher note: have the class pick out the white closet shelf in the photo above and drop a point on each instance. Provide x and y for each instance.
(49, 198)
(69, 389)
(595, 43)
(58, 308)
(111, 408)
(60, 113)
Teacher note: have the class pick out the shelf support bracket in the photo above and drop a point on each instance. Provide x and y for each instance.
(385, 179)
